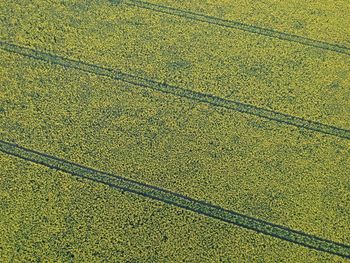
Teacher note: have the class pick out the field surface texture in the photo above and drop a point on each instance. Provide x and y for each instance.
(174, 131)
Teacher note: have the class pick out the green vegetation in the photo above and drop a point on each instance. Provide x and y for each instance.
(51, 216)
(178, 91)
(282, 174)
(283, 76)
(251, 123)
(175, 199)
(324, 20)
(218, 21)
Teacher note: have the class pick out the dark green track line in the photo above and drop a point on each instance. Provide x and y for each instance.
(177, 91)
(178, 200)
(238, 25)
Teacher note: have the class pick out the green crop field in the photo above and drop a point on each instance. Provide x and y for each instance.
(174, 131)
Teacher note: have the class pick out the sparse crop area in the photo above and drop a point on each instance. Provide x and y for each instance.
(173, 131)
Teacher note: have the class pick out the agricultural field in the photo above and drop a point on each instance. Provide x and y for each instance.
(174, 131)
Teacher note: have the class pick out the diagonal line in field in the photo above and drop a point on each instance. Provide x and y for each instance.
(177, 200)
(178, 91)
(239, 25)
